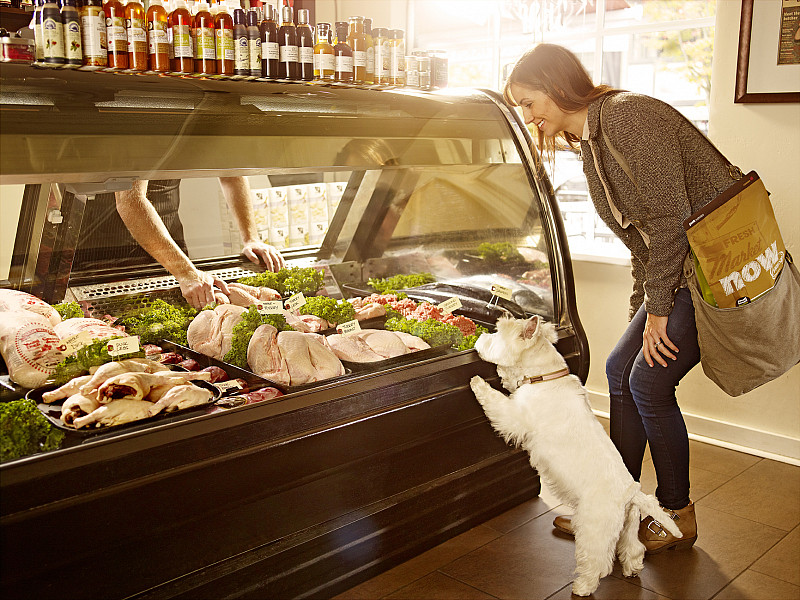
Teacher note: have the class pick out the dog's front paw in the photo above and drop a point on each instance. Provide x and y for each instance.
(479, 387)
(584, 586)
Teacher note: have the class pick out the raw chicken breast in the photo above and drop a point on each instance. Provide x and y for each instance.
(265, 358)
(308, 357)
(412, 342)
(385, 343)
(351, 347)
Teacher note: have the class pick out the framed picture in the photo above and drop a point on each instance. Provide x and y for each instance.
(760, 76)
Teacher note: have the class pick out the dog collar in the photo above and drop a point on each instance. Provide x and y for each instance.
(546, 377)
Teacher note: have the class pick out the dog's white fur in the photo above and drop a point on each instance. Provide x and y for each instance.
(553, 422)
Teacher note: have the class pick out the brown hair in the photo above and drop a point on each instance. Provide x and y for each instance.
(558, 73)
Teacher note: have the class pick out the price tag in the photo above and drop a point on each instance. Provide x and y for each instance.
(231, 384)
(73, 343)
(125, 345)
(502, 291)
(296, 301)
(450, 305)
(270, 307)
(348, 327)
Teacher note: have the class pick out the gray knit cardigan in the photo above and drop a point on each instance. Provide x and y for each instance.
(676, 171)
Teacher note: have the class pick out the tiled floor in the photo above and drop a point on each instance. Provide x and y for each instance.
(748, 546)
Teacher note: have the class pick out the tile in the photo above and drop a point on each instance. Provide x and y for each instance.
(755, 586)
(437, 586)
(768, 492)
(421, 565)
(719, 460)
(530, 562)
(726, 546)
(612, 588)
(519, 515)
(783, 559)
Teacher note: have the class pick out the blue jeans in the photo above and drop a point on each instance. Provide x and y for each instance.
(643, 404)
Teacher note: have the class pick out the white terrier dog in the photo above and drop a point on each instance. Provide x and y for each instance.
(548, 415)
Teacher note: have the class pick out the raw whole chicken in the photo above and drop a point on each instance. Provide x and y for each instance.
(116, 413)
(385, 343)
(309, 357)
(138, 386)
(99, 330)
(110, 369)
(265, 358)
(14, 300)
(353, 348)
(29, 346)
(370, 345)
(210, 331)
(180, 397)
(77, 406)
(412, 342)
(240, 294)
(73, 386)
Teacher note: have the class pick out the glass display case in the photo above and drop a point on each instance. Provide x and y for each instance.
(327, 485)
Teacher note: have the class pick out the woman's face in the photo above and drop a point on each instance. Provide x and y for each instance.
(539, 109)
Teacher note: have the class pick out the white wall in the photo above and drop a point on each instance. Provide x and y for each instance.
(384, 13)
(763, 137)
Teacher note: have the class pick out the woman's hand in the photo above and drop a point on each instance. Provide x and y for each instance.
(655, 343)
(199, 287)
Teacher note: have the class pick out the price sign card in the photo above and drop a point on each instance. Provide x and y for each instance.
(348, 327)
(73, 343)
(270, 307)
(231, 384)
(502, 291)
(296, 301)
(450, 305)
(125, 345)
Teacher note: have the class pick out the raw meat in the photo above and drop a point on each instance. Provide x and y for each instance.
(370, 310)
(264, 356)
(309, 357)
(29, 346)
(210, 331)
(412, 342)
(385, 343)
(179, 397)
(261, 293)
(14, 300)
(73, 386)
(116, 413)
(351, 347)
(371, 345)
(217, 373)
(268, 393)
(110, 369)
(306, 323)
(99, 330)
(77, 406)
(138, 386)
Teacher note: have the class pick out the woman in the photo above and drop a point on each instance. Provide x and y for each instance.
(672, 171)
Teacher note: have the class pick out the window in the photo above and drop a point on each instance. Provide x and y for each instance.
(661, 48)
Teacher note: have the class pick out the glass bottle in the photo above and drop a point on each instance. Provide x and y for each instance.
(223, 34)
(397, 75)
(305, 47)
(287, 43)
(241, 46)
(36, 26)
(205, 53)
(370, 51)
(358, 44)
(180, 25)
(73, 51)
(52, 34)
(136, 32)
(270, 52)
(254, 42)
(93, 32)
(323, 53)
(343, 55)
(115, 34)
(382, 55)
(157, 37)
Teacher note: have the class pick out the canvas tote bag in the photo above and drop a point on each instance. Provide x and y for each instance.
(745, 340)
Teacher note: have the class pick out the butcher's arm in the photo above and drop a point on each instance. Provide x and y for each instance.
(147, 228)
(237, 194)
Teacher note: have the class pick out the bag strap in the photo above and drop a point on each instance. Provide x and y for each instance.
(735, 172)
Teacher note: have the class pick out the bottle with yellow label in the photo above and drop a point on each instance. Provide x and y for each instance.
(205, 52)
(323, 53)
(136, 32)
(180, 26)
(115, 34)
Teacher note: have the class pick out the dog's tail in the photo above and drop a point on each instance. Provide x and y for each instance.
(648, 505)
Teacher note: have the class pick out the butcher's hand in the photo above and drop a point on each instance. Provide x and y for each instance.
(655, 342)
(264, 254)
(198, 288)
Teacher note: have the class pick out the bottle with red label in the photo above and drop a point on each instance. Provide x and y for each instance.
(115, 34)
(136, 32)
(205, 53)
(180, 28)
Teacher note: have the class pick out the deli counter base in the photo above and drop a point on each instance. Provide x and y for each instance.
(303, 497)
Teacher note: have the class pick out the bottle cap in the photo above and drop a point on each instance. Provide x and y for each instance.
(379, 32)
(238, 17)
(287, 14)
(302, 16)
(368, 26)
(252, 18)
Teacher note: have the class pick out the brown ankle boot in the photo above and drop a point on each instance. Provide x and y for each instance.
(657, 539)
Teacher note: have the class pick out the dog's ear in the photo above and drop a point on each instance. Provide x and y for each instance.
(529, 327)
